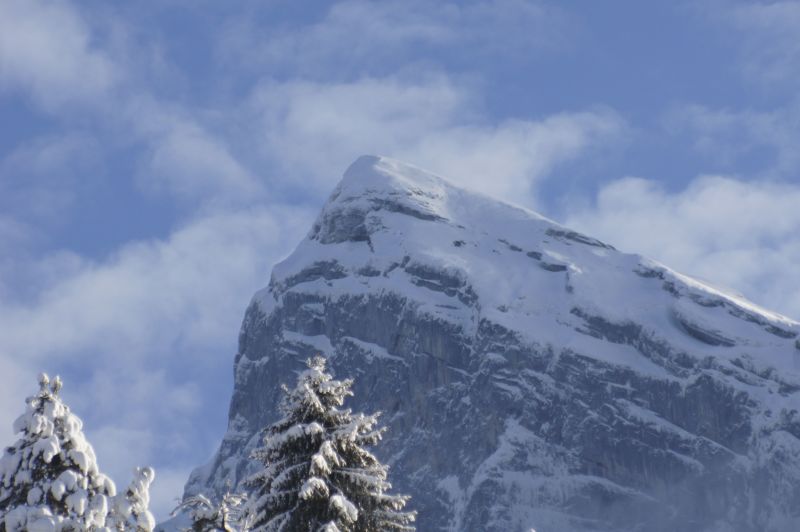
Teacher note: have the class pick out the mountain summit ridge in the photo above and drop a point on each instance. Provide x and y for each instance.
(531, 376)
(424, 194)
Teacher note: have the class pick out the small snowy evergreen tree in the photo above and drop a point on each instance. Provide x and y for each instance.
(130, 509)
(49, 479)
(206, 516)
(317, 474)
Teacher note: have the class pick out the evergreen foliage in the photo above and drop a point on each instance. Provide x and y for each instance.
(317, 474)
(49, 479)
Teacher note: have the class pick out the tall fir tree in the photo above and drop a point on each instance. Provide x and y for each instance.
(318, 475)
(49, 479)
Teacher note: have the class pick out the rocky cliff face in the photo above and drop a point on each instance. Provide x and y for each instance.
(530, 376)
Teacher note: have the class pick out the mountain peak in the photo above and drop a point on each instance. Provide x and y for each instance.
(524, 366)
(375, 186)
(374, 172)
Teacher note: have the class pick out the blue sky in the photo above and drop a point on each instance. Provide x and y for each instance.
(156, 158)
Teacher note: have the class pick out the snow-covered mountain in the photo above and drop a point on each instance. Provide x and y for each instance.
(530, 376)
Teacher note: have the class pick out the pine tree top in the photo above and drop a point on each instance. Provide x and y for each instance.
(50, 474)
(318, 474)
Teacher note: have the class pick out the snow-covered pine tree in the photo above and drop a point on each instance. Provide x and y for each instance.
(130, 509)
(209, 517)
(49, 479)
(318, 476)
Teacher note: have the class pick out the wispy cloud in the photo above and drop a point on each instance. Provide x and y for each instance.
(78, 72)
(46, 51)
(313, 129)
(153, 293)
(185, 160)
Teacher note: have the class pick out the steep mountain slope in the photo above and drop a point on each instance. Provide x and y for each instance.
(530, 376)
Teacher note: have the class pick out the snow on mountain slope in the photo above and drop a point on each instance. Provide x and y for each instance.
(530, 376)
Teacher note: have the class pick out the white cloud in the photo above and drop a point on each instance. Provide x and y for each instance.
(49, 51)
(769, 35)
(743, 235)
(152, 292)
(358, 36)
(314, 130)
(508, 160)
(46, 50)
(190, 163)
(311, 131)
